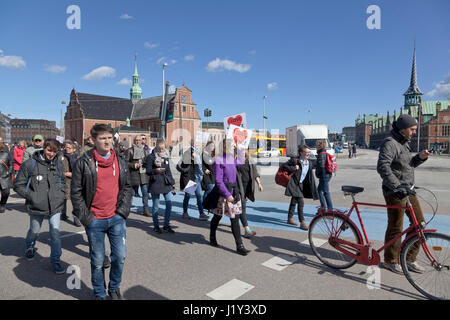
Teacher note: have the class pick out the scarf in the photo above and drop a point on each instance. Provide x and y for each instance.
(105, 163)
(160, 156)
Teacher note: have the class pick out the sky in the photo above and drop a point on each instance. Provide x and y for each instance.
(303, 55)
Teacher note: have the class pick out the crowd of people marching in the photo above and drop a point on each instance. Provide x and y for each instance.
(93, 187)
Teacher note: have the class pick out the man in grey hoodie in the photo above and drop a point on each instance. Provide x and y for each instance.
(396, 167)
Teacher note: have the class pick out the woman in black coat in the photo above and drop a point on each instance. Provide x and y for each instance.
(300, 190)
(161, 182)
(208, 180)
(6, 171)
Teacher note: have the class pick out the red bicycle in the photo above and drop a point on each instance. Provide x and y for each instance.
(337, 242)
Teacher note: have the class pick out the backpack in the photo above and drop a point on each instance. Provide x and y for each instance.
(282, 176)
(330, 164)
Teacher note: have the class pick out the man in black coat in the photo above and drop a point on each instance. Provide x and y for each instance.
(301, 185)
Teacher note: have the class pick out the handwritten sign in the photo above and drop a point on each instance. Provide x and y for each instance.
(239, 120)
(240, 136)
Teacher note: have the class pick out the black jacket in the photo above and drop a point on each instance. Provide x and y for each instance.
(254, 173)
(207, 162)
(306, 189)
(84, 186)
(320, 164)
(47, 190)
(187, 169)
(6, 169)
(161, 183)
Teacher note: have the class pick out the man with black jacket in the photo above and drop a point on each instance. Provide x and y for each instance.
(41, 182)
(101, 197)
(396, 167)
(301, 185)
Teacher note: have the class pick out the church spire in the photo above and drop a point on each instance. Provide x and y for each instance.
(135, 91)
(413, 94)
(413, 88)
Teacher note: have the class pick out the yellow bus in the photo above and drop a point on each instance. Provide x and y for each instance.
(261, 143)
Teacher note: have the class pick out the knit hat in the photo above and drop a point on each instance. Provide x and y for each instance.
(405, 121)
(124, 143)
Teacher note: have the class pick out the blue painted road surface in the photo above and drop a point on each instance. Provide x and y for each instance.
(273, 215)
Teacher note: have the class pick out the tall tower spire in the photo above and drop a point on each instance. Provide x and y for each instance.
(135, 91)
(413, 94)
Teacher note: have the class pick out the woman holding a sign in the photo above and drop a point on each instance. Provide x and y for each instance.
(229, 199)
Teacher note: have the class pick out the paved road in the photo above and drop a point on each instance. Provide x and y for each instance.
(183, 266)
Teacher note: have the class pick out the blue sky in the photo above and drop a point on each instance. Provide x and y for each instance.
(316, 55)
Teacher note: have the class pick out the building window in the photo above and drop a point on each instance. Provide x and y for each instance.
(184, 108)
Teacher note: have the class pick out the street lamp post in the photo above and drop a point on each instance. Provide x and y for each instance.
(264, 114)
(163, 107)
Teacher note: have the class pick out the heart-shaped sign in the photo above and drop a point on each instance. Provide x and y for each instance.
(239, 135)
(237, 121)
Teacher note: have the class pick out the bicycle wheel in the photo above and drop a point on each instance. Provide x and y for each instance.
(321, 229)
(433, 282)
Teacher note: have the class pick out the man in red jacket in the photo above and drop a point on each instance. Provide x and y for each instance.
(101, 197)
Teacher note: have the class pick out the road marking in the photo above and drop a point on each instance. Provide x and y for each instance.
(317, 241)
(72, 234)
(280, 262)
(231, 290)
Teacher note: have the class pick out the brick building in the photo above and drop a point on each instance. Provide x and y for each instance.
(25, 129)
(433, 116)
(85, 110)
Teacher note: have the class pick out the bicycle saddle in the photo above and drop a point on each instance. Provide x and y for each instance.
(352, 189)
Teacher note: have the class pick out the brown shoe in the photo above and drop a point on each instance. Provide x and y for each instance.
(147, 213)
(303, 225)
(291, 221)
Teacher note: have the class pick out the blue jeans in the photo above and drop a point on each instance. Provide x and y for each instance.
(324, 193)
(115, 228)
(144, 191)
(55, 239)
(210, 187)
(198, 195)
(168, 198)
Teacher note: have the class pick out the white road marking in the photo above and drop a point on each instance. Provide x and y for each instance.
(280, 262)
(318, 242)
(231, 290)
(72, 234)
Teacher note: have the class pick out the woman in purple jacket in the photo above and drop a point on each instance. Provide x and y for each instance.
(229, 203)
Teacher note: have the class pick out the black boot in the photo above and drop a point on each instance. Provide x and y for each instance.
(213, 241)
(2, 208)
(241, 250)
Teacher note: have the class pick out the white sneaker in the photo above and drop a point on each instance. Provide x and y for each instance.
(415, 267)
(396, 268)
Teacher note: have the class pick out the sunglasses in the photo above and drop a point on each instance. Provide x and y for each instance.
(38, 140)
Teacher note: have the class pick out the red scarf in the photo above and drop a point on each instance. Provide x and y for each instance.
(105, 199)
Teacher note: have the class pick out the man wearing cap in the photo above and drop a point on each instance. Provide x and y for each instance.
(38, 141)
(396, 167)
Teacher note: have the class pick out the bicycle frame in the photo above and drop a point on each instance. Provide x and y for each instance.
(365, 253)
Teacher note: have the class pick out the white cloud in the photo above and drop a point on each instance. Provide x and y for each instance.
(189, 57)
(160, 60)
(100, 73)
(272, 86)
(221, 65)
(12, 62)
(150, 45)
(126, 16)
(125, 82)
(441, 89)
(173, 61)
(55, 69)
(252, 52)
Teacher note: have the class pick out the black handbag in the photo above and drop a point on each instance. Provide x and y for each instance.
(211, 200)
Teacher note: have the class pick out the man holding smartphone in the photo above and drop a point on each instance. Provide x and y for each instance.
(396, 167)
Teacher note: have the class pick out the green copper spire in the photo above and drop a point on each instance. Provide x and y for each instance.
(135, 91)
